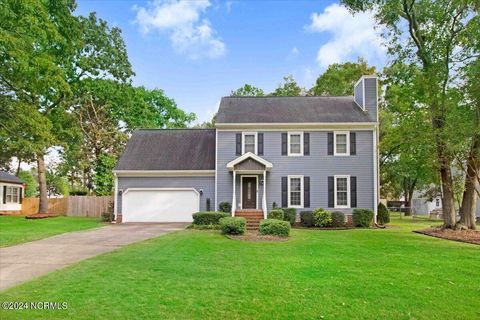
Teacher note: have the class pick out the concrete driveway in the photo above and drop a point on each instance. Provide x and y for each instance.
(26, 261)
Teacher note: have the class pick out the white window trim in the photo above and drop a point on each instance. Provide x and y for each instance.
(301, 192)
(289, 153)
(241, 190)
(10, 193)
(335, 133)
(335, 192)
(243, 141)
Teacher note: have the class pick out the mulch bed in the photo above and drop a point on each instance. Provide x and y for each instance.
(256, 237)
(41, 216)
(468, 236)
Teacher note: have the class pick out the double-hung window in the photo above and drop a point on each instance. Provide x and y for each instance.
(12, 195)
(249, 142)
(342, 143)
(295, 143)
(295, 191)
(342, 192)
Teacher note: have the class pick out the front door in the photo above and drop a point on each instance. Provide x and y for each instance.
(249, 193)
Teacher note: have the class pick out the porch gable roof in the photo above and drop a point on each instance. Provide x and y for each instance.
(249, 155)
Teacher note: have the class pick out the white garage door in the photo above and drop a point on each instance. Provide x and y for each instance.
(159, 205)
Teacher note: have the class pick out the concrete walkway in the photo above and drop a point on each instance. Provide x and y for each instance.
(26, 261)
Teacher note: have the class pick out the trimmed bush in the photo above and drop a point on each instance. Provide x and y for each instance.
(275, 227)
(225, 207)
(362, 218)
(276, 214)
(338, 219)
(306, 219)
(290, 214)
(383, 216)
(322, 218)
(208, 217)
(233, 225)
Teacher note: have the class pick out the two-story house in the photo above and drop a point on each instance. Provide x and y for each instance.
(296, 152)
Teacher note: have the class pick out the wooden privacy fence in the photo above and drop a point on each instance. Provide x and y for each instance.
(73, 206)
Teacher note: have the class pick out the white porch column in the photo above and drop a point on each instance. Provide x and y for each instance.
(234, 201)
(264, 198)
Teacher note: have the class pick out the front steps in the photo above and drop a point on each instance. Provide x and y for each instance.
(253, 217)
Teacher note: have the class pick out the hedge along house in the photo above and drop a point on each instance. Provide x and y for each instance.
(296, 152)
(12, 191)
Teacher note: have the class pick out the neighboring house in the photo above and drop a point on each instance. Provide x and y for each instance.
(12, 190)
(297, 152)
(423, 205)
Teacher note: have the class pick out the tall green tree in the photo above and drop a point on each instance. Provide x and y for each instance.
(340, 78)
(431, 35)
(45, 50)
(289, 88)
(247, 91)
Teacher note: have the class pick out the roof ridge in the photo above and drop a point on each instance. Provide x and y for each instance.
(173, 129)
(280, 97)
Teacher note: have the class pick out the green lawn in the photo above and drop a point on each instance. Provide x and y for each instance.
(17, 229)
(191, 274)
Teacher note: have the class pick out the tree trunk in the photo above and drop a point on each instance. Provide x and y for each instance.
(18, 167)
(42, 184)
(469, 200)
(448, 198)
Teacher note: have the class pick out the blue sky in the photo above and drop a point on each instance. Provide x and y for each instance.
(198, 51)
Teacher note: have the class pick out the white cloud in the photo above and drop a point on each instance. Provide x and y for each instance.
(352, 36)
(295, 51)
(190, 34)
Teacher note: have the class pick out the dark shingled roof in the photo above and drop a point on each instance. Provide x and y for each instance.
(290, 110)
(169, 149)
(7, 177)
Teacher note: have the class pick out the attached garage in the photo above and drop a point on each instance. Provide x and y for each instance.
(165, 175)
(160, 204)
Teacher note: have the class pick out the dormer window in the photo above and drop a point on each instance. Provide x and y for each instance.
(249, 143)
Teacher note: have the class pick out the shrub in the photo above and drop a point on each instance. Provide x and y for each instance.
(204, 226)
(306, 219)
(208, 217)
(362, 217)
(107, 216)
(275, 227)
(383, 216)
(207, 204)
(322, 218)
(276, 214)
(290, 214)
(233, 225)
(338, 219)
(225, 207)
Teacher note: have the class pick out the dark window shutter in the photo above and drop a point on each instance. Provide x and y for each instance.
(353, 192)
(284, 143)
(260, 144)
(306, 144)
(331, 191)
(306, 192)
(20, 195)
(353, 143)
(4, 194)
(330, 143)
(284, 192)
(239, 144)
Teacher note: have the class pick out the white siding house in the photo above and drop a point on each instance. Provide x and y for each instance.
(11, 193)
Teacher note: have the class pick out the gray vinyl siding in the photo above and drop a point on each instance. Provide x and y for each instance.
(205, 183)
(359, 94)
(371, 97)
(318, 166)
